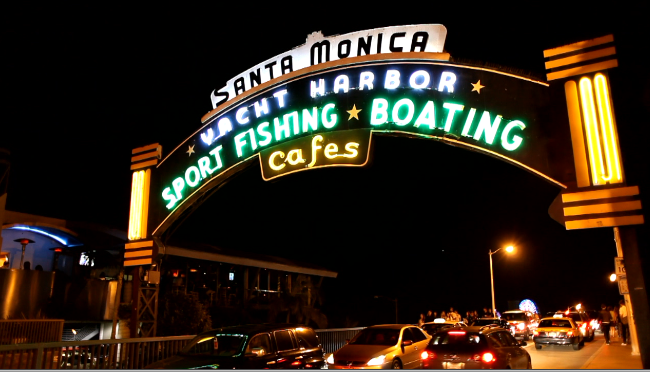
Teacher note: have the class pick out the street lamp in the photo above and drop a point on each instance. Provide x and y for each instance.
(509, 249)
(395, 301)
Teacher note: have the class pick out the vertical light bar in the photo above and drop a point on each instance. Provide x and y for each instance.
(591, 125)
(608, 129)
(144, 207)
(577, 134)
(135, 217)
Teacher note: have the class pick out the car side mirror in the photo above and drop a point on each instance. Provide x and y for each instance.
(407, 342)
(255, 352)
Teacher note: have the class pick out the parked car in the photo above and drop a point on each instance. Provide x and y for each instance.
(389, 346)
(472, 347)
(558, 331)
(255, 346)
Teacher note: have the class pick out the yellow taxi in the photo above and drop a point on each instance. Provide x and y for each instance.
(389, 346)
(558, 331)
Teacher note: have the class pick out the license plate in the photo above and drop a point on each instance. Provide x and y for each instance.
(553, 334)
(452, 365)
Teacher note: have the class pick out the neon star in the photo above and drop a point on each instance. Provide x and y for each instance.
(190, 151)
(354, 113)
(477, 87)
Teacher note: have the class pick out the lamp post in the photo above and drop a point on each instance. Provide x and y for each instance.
(395, 301)
(509, 249)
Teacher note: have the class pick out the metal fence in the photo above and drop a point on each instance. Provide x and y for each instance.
(133, 353)
(333, 339)
(23, 331)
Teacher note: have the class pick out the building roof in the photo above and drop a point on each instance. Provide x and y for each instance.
(217, 254)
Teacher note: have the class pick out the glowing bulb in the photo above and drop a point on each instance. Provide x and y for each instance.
(510, 249)
(612, 278)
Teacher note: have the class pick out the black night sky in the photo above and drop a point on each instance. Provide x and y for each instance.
(82, 86)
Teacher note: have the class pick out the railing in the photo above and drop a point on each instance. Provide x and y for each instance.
(134, 353)
(23, 331)
(334, 339)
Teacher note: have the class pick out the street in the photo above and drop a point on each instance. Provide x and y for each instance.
(564, 357)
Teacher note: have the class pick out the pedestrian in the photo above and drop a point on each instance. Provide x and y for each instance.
(435, 315)
(623, 317)
(421, 321)
(613, 324)
(443, 315)
(429, 317)
(605, 319)
(486, 313)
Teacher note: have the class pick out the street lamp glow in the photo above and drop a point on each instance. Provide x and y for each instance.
(510, 249)
(612, 278)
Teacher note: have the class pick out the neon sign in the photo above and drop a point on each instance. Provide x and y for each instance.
(344, 148)
(429, 38)
(437, 101)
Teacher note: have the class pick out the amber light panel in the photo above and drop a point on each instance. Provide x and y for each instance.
(602, 141)
(139, 204)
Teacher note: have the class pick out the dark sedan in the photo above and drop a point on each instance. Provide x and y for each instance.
(475, 348)
(257, 346)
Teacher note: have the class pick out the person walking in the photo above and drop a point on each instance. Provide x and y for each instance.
(613, 323)
(605, 318)
(625, 328)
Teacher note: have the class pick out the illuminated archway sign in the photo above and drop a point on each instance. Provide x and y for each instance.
(325, 114)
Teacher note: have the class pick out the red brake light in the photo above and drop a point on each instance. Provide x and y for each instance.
(569, 334)
(427, 355)
(535, 333)
(488, 357)
(296, 363)
(584, 325)
(457, 333)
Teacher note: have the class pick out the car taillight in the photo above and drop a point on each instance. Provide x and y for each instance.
(521, 326)
(535, 333)
(584, 325)
(427, 355)
(456, 333)
(569, 334)
(488, 357)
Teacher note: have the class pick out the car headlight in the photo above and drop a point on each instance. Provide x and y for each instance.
(377, 361)
(330, 359)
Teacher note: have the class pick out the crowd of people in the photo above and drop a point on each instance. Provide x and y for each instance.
(454, 316)
(614, 322)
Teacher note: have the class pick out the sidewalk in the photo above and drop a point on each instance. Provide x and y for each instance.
(614, 356)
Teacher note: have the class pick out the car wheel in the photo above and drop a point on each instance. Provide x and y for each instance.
(538, 346)
(576, 346)
(397, 364)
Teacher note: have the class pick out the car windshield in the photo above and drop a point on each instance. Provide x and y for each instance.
(484, 322)
(217, 344)
(457, 338)
(514, 316)
(555, 323)
(376, 336)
